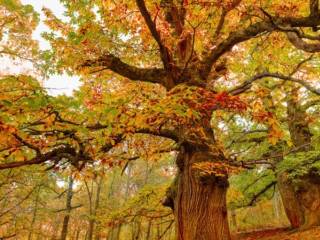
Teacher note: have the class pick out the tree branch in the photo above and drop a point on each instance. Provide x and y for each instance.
(248, 83)
(299, 43)
(164, 52)
(115, 64)
(265, 189)
(40, 158)
(251, 31)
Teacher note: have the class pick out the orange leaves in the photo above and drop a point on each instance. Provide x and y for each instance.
(7, 128)
(262, 116)
(219, 169)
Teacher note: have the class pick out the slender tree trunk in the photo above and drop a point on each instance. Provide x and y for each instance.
(78, 234)
(34, 216)
(114, 233)
(66, 218)
(148, 236)
(200, 203)
(234, 219)
(91, 212)
(56, 225)
(96, 207)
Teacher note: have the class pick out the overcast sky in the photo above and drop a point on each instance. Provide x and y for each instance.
(57, 84)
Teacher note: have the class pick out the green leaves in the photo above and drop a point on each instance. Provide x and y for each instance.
(300, 164)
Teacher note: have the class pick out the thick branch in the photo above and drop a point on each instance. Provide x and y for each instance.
(39, 159)
(165, 56)
(248, 83)
(115, 64)
(241, 35)
(299, 43)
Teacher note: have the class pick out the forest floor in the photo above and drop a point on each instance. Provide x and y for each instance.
(281, 234)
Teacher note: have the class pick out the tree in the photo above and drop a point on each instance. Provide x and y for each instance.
(192, 57)
(300, 194)
(187, 50)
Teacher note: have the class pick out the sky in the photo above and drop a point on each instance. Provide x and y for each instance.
(56, 84)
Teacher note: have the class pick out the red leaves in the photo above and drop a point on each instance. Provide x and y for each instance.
(210, 101)
(7, 128)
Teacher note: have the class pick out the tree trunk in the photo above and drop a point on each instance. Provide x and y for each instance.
(96, 207)
(66, 218)
(234, 220)
(308, 195)
(200, 201)
(35, 210)
(290, 201)
(148, 235)
(301, 202)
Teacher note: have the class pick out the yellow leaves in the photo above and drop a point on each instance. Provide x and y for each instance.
(275, 134)
(219, 169)
(49, 121)
(262, 116)
(19, 156)
(7, 128)
(262, 92)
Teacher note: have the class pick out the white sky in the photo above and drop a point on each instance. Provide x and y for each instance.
(56, 84)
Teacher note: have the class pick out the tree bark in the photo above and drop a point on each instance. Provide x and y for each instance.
(308, 195)
(96, 207)
(35, 211)
(199, 201)
(290, 201)
(148, 235)
(301, 202)
(66, 218)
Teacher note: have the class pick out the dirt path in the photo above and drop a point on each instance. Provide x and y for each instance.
(281, 234)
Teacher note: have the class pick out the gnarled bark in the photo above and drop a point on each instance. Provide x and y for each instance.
(199, 201)
(301, 201)
(308, 195)
(290, 201)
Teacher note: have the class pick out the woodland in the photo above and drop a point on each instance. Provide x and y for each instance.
(194, 120)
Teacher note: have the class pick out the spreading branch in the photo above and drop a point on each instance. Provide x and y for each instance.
(164, 52)
(115, 64)
(56, 153)
(299, 43)
(266, 26)
(248, 83)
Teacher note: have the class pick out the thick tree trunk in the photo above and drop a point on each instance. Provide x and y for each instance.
(302, 205)
(308, 195)
(290, 201)
(302, 201)
(200, 201)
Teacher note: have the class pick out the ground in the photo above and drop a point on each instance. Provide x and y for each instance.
(281, 234)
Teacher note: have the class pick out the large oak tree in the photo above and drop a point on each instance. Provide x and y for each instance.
(188, 51)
